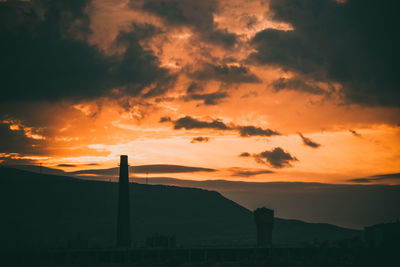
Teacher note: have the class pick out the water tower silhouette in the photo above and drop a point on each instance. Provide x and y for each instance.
(264, 219)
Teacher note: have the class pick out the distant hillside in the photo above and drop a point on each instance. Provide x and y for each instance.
(38, 169)
(153, 168)
(41, 211)
(347, 205)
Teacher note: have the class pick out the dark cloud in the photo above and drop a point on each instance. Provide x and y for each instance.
(242, 172)
(199, 15)
(77, 165)
(208, 99)
(92, 164)
(138, 68)
(309, 142)
(165, 168)
(221, 37)
(353, 43)
(145, 31)
(16, 160)
(246, 131)
(225, 73)
(165, 119)
(191, 123)
(46, 55)
(67, 165)
(276, 158)
(16, 141)
(200, 139)
(355, 133)
(194, 87)
(296, 84)
(244, 155)
(376, 178)
(188, 122)
(250, 94)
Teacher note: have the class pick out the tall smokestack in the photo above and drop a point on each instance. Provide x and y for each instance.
(123, 223)
(264, 219)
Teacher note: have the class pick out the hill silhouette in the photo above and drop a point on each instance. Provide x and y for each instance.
(114, 172)
(347, 205)
(46, 211)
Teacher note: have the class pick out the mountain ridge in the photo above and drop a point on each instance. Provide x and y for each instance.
(347, 205)
(49, 211)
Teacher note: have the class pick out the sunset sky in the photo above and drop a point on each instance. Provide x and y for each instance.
(258, 90)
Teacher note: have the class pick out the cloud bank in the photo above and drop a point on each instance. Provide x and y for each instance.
(351, 43)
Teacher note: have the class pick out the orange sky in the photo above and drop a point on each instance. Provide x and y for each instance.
(356, 140)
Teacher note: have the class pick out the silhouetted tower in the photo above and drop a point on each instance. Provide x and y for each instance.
(264, 219)
(123, 223)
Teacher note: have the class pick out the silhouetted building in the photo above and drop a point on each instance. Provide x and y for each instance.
(123, 220)
(264, 219)
(383, 235)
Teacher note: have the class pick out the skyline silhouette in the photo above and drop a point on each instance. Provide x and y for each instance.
(302, 201)
(89, 211)
(167, 220)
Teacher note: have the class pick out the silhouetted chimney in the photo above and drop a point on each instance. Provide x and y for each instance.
(264, 219)
(123, 220)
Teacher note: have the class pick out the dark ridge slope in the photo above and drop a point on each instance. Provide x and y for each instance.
(43, 211)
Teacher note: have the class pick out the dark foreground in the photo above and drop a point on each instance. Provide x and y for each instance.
(206, 257)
